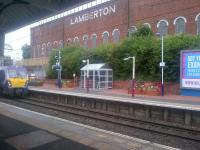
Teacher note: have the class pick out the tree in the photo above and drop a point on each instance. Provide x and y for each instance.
(143, 30)
(8, 61)
(26, 51)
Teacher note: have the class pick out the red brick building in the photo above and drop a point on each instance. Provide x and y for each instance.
(112, 20)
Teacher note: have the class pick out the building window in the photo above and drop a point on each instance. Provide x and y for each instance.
(76, 40)
(49, 48)
(147, 25)
(60, 44)
(116, 35)
(180, 24)
(163, 27)
(105, 36)
(34, 52)
(197, 19)
(38, 51)
(94, 41)
(55, 45)
(85, 41)
(69, 41)
(132, 30)
(43, 51)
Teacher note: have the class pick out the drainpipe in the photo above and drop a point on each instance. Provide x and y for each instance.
(128, 13)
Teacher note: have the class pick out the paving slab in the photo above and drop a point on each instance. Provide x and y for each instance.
(17, 135)
(31, 140)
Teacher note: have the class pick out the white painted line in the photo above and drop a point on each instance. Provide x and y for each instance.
(90, 127)
(127, 100)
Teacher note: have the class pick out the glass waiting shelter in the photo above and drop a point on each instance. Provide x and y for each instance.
(100, 76)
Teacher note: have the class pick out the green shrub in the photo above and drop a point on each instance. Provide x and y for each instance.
(145, 47)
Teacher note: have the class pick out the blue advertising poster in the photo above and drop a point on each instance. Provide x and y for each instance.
(190, 69)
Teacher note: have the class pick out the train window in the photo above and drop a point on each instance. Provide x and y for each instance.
(22, 73)
(2, 76)
(12, 73)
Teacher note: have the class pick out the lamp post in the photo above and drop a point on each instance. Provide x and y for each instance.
(133, 75)
(87, 75)
(74, 75)
(58, 68)
(162, 63)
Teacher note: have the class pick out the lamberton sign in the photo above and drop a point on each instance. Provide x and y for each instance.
(104, 11)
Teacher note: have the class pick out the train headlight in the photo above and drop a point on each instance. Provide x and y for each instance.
(9, 84)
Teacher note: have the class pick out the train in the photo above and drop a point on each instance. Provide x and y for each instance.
(13, 81)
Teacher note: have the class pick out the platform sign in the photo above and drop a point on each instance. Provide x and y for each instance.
(190, 69)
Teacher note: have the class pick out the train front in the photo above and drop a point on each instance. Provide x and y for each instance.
(17, 81)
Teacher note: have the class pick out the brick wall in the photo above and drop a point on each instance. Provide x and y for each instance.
(152, 11)
(128, 13)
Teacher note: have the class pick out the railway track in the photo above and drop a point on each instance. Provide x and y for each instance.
(160, 128)
(116, 121)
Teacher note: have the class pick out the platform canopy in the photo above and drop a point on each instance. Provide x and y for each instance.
(17, 13)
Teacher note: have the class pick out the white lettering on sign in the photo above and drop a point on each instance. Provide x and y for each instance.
(109, 10)
(193, 62)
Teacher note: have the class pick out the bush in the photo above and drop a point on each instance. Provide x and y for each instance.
(143, 45)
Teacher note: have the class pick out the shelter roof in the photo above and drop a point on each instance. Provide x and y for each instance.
(17, 13)
(101, 66)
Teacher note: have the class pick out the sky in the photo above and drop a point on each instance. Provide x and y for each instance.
(16, 40)
(20, 37)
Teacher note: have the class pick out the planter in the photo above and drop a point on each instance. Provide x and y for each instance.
(36, 82)
(152, 93)
(139, 92)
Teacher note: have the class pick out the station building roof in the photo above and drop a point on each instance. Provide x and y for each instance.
(17, 13)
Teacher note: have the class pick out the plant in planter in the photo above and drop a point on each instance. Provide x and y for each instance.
(152, 90)
(139, 88)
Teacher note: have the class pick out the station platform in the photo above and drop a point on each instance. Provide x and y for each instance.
(24, 129)
(176, 99)
(181, 102)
